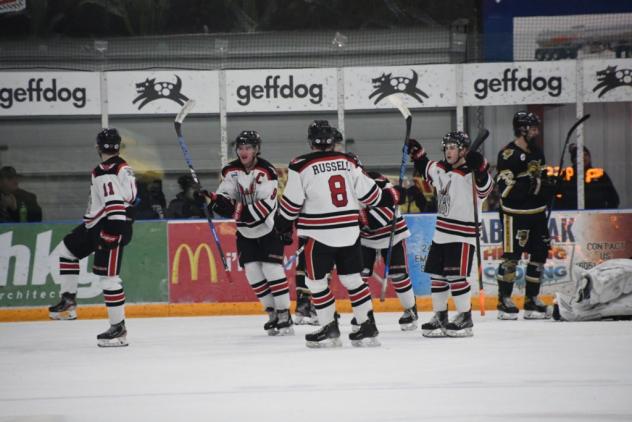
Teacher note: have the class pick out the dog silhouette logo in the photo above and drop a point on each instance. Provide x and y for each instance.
(611, 78)
(149, 90)
(388, 84)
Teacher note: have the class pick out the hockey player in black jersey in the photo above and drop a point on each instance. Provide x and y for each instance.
(248, 193)
(323, 191)
(524, 194)
(449, 260)
(106, 229)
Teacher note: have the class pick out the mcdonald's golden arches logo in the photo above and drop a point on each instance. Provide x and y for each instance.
(194, 262)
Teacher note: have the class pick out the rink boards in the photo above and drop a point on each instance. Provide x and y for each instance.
(174, 268)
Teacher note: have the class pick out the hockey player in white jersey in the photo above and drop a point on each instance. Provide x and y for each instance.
(375, 226)
(106, 229)
(449, 260)
(248, 193)
(324, 191)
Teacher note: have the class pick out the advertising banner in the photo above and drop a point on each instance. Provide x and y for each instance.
(486, 84)
(196, 273)
(29, 262)
(49, 93)
(162, 92)
(276, 90)
(420, 86)
(607, 80)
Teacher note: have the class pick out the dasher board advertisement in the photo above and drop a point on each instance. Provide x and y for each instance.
(487, 84)
(280, 90)
(419, 86)
(49, 93)
(607, 80)
(162, 92)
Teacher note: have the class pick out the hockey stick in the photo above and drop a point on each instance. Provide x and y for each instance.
(558, 180)
(397, 101)
(186, 109)
(294, 257)
(479, 267)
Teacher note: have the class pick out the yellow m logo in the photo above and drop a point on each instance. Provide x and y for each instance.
(194, 259)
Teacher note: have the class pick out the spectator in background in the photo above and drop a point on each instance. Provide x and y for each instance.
(16, 205)
(184, 205)
(151, 202)
(599, 192)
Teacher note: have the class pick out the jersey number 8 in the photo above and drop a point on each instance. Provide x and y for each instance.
(338, 190)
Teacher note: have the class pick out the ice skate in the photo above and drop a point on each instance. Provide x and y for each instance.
(461, 326)
(305, 312)
(115, 336)
(534, 308)
(408, 321)
(354, 322)
(366, 335)
(328, 336)
(284, 323)
(271, 325)
(506, 308)
(66, 309)
(436, 326)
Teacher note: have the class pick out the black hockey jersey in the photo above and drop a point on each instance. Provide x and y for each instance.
(519, 179)
(254, 193)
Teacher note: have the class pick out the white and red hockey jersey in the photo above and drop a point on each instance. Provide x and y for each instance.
(324, 190)
(455, 209)
(376, 222)
(255, 195)
(112, 192)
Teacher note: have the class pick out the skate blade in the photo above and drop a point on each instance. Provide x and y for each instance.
(304, 320)
(272, 332)
(325, 344)
(366, 342)
(466, 332)
(115, 342)
(433, 333)
(537, 315)
(408, 327)
(287, 331)
(506, 316)
(63, 316)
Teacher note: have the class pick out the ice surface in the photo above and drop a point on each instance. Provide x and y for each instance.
(228, 369)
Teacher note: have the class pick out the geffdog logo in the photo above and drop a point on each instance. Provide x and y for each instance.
(194, 262)
(511, 82)
(149, 90)
(611, 78)
(272, 89)
(388, 84)
(34, 92)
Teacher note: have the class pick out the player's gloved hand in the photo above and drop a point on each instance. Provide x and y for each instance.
(415, 150)
(476, 162)
(223, 206)
(286, 238)
(398, 193)
(109, 240)
(204, 197)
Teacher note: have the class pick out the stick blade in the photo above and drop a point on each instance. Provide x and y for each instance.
(186, 109)
(398, 101)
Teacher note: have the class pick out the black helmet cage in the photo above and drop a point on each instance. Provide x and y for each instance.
(523, 121)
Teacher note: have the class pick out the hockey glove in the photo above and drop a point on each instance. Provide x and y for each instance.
(223, 206)
(476, 162)
(109, 240)
(203, 197)
(415, 150)
(286, 237)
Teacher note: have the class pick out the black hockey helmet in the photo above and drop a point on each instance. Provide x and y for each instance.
(320, 134)
(523, 120)
(249, 137)
(337, 136)
(460, 138)
(109, 141)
